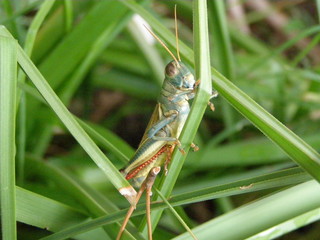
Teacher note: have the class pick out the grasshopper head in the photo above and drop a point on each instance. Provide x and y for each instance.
(179, 76)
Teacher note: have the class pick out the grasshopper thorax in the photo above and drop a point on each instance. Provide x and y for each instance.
(179, 76)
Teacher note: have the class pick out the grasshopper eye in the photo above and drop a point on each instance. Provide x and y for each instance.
(171, 70)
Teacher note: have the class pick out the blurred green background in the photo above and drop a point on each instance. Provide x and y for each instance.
(108, 71)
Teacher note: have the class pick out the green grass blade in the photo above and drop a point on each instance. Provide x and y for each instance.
(255, 151)
(304, 52)
(295, 147)
(261, 214)
(273, 180)
(222, 52)
(288, 226)
(93, 27)
(70, 184)
(305, 33)
(36, 210)
(318, 9)
(106, 139)
(109, 33)
(128, 84)
(90, 199)
(8, 6)
(8, 84)
(35, 25)
(29, 43)
(241, 186)
(247, 42)
(176, 214)
(94, 152)
(31, 6)
(98, 46)
(68, 12)
(21, 139)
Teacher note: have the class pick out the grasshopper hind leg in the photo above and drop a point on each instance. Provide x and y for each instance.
(146, 185)
(149, 183)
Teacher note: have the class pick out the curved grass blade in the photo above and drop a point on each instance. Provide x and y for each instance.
(260, 215)
(288, 226)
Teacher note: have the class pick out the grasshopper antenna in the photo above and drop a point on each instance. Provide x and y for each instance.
(162, 43)
(176, 30)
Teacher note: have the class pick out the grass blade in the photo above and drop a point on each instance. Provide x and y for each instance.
(29, 43)
(68, 12)
(73, 126)
(288, 226)
(8, 84)
(65, 64)
(261, 214)
(176, 215)
(96, 204)
(222, 52)
(8, 6)
(35, 25)
(66, 117)
(277, 179)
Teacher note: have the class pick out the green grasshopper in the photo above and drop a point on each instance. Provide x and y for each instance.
(162, 133)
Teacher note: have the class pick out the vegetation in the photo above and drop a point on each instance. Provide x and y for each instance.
(77, 89)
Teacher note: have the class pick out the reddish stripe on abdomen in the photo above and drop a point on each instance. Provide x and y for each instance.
(135, 171)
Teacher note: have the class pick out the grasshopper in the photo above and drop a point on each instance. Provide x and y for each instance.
(162, 133)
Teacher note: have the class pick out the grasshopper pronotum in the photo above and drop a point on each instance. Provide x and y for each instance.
(163, 130)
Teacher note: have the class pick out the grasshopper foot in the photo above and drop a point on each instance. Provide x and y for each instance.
(194, 147)
(178, 143)
(213, 95)
(211, 105)
(183, 152)
(197, 83)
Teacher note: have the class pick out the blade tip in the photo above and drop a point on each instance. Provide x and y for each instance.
(129, 193)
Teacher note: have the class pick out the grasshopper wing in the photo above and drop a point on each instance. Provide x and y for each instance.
(155, 117)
